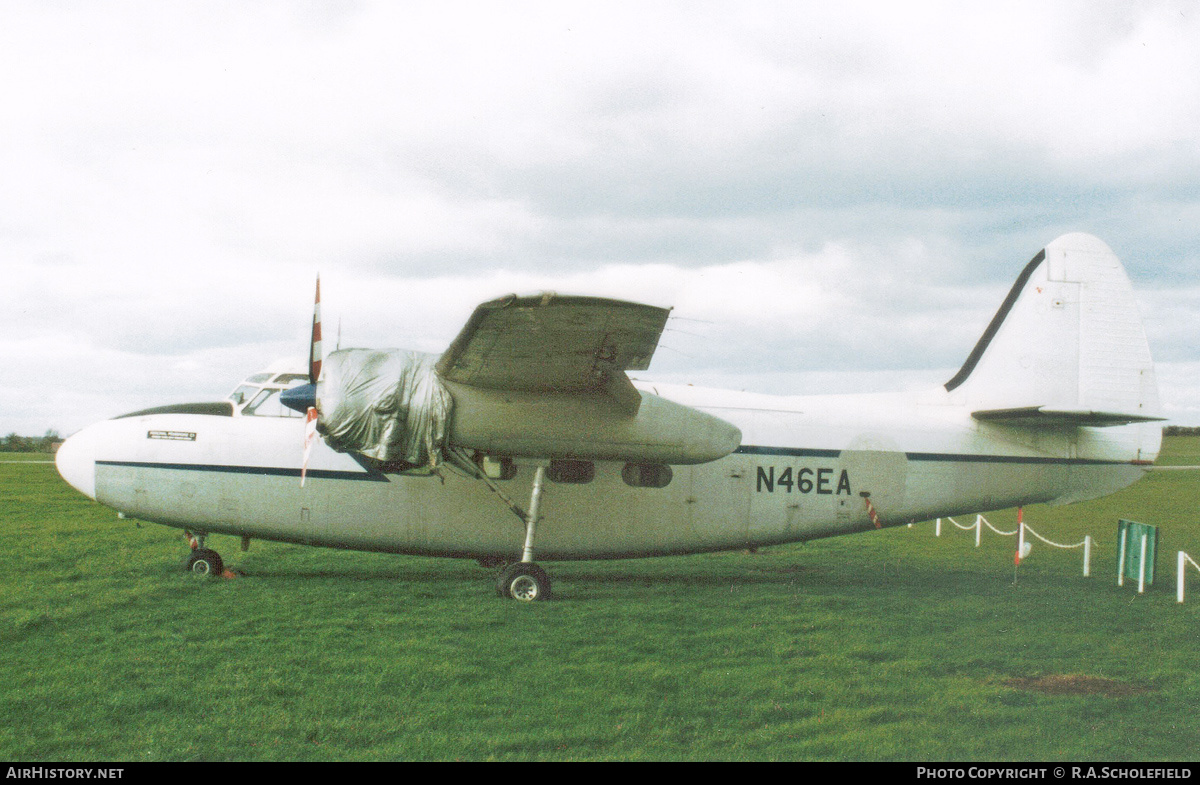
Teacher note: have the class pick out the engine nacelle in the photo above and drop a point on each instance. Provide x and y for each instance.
(391, 405)
(586, 426)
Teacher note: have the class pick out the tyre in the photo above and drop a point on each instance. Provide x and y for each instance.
(524, 582)
(204, 561)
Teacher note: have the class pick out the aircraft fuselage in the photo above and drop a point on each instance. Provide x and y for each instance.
(807, 467)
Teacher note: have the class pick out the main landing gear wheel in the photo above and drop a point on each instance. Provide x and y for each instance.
(204, 561)
(523, 581)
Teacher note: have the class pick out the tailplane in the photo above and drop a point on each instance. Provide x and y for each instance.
(1066, 349)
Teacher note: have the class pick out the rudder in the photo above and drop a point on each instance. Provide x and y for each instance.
(1067, 342)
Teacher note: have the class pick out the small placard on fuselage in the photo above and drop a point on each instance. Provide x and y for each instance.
(173, 436)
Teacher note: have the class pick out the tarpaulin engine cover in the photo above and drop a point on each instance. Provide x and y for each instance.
(387, 404)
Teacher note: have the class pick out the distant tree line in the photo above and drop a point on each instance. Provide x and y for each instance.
(15, 443)
(1180, 430)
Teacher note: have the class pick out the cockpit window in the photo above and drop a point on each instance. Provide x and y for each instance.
(242, 393)
(267, 404)
(259, 378)
(290, 378)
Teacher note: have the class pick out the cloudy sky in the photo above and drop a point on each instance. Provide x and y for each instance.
(833, 196)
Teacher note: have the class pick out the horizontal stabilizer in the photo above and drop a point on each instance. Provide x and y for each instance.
(1041, 416)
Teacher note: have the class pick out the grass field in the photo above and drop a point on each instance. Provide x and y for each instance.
(894, 645)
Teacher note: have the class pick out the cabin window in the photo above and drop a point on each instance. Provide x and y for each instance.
(647, 475)
(571, 472)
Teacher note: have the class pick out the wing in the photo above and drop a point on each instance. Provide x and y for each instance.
(553, 343)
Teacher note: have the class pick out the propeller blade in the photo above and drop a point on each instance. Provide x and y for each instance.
(304, 398)
(310, 435)
(315, 355)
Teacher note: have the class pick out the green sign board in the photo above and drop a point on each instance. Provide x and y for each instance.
(1137, 546)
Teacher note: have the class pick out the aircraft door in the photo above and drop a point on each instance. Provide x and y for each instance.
(877, 470)
(719, 502)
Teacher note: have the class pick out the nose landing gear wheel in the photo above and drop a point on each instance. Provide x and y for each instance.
(204, 561)
(524, 581)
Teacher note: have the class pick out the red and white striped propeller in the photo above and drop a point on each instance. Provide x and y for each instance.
(315, 355)
(304, 398)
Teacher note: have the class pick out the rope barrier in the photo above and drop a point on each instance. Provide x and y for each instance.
(964, 528)
(1079, 544)
(993, 528)
(1086, 543)
(1022, 528)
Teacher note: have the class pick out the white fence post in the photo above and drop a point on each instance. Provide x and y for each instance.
(1180, 577)
(978, 528)
(1142, 568)
(1121, 558)
(1087, 556)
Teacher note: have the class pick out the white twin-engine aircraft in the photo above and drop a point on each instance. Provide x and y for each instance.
(531, 405)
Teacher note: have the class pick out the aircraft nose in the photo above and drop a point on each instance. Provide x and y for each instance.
(76, 462)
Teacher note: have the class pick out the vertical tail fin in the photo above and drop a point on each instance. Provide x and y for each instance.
(1067, 346)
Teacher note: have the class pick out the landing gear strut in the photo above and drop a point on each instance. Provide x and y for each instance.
(525, 581)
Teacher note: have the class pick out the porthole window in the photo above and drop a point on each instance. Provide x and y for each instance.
(571, 472)
(647, 475)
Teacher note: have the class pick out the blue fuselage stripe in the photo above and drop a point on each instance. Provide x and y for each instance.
(370, 475)
(937, 457)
